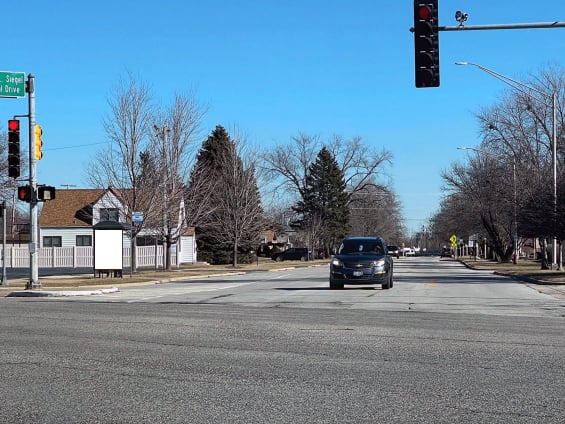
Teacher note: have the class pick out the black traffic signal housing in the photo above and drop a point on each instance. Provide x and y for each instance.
(426, 43)
(24, 193)
(13, 148)
(45, 193)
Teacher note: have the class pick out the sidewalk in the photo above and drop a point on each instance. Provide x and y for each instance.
(528, 271)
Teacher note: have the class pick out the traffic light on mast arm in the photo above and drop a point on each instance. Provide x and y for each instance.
(13, 148)
(38, 142)
(426, 43)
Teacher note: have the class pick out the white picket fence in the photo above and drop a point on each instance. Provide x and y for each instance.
(82, 257)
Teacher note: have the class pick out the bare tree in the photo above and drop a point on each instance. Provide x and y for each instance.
(174, 146)
(127, 127)
(375, 212)
(485, 198)
(361, 165)
(287, 166)
(148, 163)
(520, 126)
(516, 150)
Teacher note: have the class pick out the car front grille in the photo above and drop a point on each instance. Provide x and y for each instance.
(357, 265)
(361, 277)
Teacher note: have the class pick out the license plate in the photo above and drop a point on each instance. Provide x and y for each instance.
(357, 273)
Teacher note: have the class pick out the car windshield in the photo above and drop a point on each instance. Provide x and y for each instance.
(356, 247)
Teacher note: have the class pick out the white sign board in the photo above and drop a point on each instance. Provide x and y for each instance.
(108, 249)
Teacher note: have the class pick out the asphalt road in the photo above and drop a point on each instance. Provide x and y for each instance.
(421, 284)
(283, 350)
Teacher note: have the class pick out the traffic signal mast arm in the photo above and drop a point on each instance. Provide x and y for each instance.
(501, 26)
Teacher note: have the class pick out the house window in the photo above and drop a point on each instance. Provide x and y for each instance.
(84, 241)
(109, 214)
(52, 241)
(147, 241)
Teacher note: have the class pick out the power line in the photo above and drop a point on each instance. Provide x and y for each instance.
(74, 147)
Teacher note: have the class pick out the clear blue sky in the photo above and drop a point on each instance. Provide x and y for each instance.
(274, 69)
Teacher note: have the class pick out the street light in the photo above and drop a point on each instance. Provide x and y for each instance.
(515, 255)
(545, 97)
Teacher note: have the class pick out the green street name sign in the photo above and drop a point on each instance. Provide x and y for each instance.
(12, 84)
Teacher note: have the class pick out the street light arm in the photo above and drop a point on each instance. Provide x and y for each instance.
(516, 85)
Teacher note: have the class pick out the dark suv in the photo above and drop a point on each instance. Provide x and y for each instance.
(394, 251)
(361, 260)
(292, 254)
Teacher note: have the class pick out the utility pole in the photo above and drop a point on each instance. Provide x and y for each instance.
(4, 277)
(33, 224)
(162, 134)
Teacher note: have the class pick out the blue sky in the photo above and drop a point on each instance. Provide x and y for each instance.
(274, 69)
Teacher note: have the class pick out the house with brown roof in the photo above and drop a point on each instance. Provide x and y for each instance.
(68, 220)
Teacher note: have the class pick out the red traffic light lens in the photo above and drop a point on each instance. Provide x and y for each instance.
(13, 125)
(425, 13)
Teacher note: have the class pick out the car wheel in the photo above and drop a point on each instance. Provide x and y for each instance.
(302, 258)
(391, 280)
(387, 285)
(278, 259)
(335, 286)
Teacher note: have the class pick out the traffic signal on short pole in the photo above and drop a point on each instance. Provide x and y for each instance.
(38, 142)
(426, 43)
(24, 193)
(45, 193)
(13, 148)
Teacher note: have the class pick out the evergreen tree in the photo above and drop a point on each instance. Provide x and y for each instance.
(229, 191)
(324, 207)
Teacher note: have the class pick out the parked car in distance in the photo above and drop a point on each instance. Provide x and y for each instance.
(361, 260)
(394, 251)
(292, 254)
(409, 252)
(446, 252)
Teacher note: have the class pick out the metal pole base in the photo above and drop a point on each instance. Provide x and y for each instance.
(33, 285)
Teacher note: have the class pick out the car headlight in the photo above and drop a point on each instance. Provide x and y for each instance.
(336, 262)
(378, 264)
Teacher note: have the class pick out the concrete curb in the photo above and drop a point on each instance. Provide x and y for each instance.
(50, 293)
(90, 292)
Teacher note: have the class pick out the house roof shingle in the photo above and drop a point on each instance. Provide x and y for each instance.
(70, 208)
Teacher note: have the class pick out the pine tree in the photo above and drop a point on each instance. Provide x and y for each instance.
(324, 207)
(229, 191)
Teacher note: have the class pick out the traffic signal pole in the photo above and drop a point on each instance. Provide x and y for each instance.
(33, 222)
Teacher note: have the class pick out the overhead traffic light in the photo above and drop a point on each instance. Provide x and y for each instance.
(13, 148)
(24, 193)
(38, 142)
(426, 43)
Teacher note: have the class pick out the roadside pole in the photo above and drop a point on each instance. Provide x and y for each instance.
(33, 230)
(4, 277)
